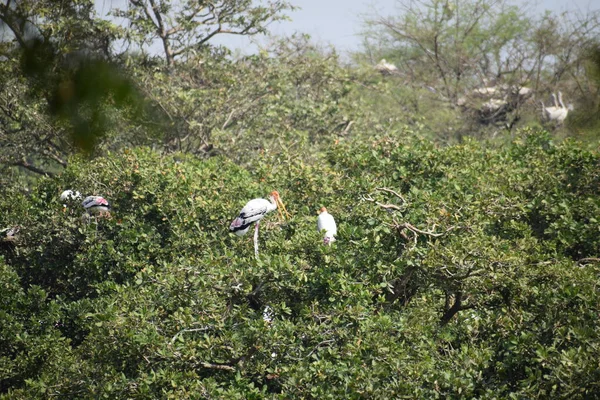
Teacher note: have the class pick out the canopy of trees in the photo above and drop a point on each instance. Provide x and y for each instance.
(468, 251)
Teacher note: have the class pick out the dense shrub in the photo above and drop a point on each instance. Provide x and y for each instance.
(463, 271)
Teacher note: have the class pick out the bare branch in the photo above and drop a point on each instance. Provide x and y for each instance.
(32, 168)
(588, 260)
(393, 192)
(416, 230)
(223, 367)
(7, 16)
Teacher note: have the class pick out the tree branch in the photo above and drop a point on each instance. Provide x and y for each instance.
(7, 18)
(224, 367)
(588, 260)
(393, 192)
(32, 168)
(452, 311)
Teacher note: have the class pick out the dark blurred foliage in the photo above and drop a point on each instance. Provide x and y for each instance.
(81, 90)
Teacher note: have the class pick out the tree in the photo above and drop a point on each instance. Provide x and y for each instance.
(290, 89)
(464, 271)
(183, 27)
(453, 45)
(488, 57)
(62, 88)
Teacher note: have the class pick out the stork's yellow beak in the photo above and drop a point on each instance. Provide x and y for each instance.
(281, 206)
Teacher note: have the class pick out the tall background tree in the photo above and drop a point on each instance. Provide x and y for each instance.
(187, 26)
(490, 58)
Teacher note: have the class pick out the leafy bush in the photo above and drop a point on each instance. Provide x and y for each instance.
(463, 271)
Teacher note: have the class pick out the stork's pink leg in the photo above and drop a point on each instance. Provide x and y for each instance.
(256, 239)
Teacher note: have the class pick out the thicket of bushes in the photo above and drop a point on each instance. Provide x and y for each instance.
(462, 271)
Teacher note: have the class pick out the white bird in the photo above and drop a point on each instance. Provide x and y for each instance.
(96, 205)
(325, 221)
(564, 110)
(69, 194)
(386, 68)
(253, 212)
(558, 112)
(268, 315)
(69, 197)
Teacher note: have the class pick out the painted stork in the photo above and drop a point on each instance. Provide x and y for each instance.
(326, 222)
(69, 195)
(10, 234)
(96, 205)
(253, 212)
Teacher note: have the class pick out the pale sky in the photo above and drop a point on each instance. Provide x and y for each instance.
(338, 22)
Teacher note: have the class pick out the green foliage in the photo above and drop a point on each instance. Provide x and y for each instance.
(585, 119)
(464, 271)
(60, 90)
(292, 99)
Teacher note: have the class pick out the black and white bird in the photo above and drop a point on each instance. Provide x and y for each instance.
(253, 212)
(326, 222)
(96, 205)
(69, 195)
(10, 234)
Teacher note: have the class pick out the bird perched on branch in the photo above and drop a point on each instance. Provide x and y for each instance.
(10, 234)
(325, 221)
(69, 195)
(96, 205)
(253, 212)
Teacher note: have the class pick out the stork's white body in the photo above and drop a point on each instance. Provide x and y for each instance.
(558, 112)
(326, 222)
(69, 195)
(253, 211)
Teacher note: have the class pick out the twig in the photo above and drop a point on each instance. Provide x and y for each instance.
(324, 342)
(417, 230)
(347, 129)
(388, 206)
(217, 366)
(393, 192)
(24, 164)
(206, 328)
(385, 206)
(228, 119)
(588, 260)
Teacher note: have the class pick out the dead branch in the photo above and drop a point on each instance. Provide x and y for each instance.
(228, 119)
(321, 344)
(388, 206)
(347, 129)
(588, 260)
(203, 329)
(32, 168)
(417, 230)
(224, 367)
(392, 192)
(384, 206)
